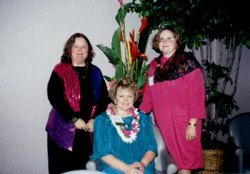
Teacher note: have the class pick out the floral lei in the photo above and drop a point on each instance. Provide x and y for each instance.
(127, 136)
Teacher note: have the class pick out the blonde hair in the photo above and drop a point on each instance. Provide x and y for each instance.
(124, 83)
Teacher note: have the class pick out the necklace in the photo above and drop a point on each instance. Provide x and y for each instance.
(126, 135)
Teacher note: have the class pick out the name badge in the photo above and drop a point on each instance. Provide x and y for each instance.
(151, 81)
(116, 119)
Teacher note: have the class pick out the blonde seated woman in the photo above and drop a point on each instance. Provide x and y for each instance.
(124, 141)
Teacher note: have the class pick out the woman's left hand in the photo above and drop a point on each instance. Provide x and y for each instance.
(90, 125)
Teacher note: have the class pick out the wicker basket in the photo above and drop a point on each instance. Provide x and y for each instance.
(213, 160)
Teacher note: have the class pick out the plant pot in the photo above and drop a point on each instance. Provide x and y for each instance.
(213, 161)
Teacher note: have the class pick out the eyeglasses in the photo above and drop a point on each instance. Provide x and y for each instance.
(80, 47)
(167, 39)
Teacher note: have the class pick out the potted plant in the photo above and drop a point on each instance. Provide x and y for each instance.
(219, 108)
(223, 103)
(124, 54)
(202, 23)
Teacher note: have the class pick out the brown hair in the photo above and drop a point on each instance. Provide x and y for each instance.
(155, 40)
(66, 57)
(124, 83)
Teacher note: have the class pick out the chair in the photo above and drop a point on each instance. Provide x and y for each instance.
(83, 172)
(163, 162)
(239, 130)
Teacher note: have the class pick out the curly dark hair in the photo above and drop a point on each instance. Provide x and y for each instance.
(66, 57)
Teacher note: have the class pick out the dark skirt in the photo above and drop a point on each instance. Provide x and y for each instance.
(61, 160)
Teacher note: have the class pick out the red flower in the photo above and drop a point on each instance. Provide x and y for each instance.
(133, 46)
(144, 56)
(144, 24)
(121, 3)
(132, 35)
(134, 51)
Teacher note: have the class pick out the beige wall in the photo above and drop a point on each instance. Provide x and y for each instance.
(32, 35)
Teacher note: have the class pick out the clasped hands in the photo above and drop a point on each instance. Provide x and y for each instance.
(87, 127)
(135, 168)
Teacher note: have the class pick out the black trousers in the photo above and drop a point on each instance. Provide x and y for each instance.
(61, 160)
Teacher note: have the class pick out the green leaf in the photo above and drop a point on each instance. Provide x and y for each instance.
(111, 54)
(119, 72)
(116, 47)
(142, 77)
(120, 16)
(107, 78)
(247, 44)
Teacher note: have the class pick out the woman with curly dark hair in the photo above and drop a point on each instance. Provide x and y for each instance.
(77, 92)
(175, 93)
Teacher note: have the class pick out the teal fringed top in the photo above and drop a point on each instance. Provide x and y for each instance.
(107, 141)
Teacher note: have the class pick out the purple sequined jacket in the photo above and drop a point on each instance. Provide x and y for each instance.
(62, 130)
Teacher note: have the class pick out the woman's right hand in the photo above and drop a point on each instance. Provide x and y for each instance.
(80, 124)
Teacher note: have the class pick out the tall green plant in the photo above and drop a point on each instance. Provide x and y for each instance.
(197, 20)
(200, 23)
(124, 54)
